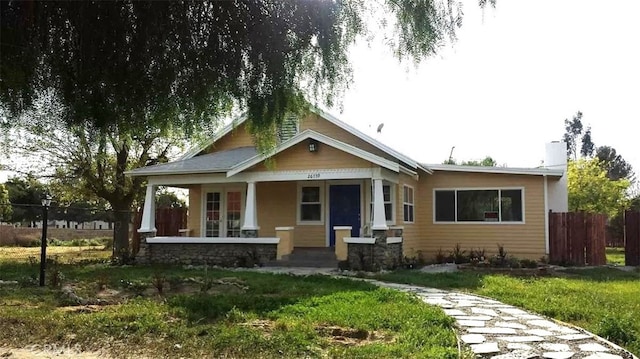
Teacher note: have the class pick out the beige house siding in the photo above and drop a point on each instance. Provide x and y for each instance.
(526, 240)
(277, 207)
(319, 124)
(410, 232)
(238, 137)
(194, 218)
(298, 157)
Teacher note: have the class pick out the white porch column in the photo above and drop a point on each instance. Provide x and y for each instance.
(379, 218)
(250, 213)
(148, 223)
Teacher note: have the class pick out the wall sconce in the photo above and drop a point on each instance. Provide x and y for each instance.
(313, 145)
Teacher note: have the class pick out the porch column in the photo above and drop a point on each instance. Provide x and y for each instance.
(148, 223)
(379, 218)
(250, 225)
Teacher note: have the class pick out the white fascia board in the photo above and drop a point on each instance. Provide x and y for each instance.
(306, 134)
(499, 170)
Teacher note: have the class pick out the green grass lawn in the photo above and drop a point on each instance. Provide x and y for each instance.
(214, 313)
(615, 256)
(605, 301)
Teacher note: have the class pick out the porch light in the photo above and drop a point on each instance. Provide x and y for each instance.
(313, 145)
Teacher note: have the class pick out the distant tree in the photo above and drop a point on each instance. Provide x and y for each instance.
(25, 194)
(587, 148)
(167, 199)
(573, 131)
(578, 139)
(5, 204)
(616, 167)
(590, 190)
(485, 162)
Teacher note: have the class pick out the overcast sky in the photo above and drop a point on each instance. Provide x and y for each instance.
(506, 86)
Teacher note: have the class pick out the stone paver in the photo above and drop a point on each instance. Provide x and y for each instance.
(473, 338)
(496, 330)
(558, 355)
(485, 348)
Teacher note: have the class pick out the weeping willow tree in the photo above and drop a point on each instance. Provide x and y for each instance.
(119, 81)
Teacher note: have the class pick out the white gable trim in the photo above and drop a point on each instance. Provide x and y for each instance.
(306, 134)
(363, 136)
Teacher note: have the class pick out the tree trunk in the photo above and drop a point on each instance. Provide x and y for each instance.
(121, 248)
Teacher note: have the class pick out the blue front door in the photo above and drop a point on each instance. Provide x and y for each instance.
(344, 209)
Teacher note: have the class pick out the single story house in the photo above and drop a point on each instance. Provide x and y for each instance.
(329, 185)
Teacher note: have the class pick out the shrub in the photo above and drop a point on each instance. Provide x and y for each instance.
(54, 275)
(440, 257)
(528, 263)
(458, 255)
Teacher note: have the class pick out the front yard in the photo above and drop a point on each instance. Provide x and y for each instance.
(604, 301)
(174, 312)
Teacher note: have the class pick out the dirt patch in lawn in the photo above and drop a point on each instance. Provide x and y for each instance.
(335, 334)
(353, 337)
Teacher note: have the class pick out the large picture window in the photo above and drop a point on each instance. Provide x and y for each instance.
(479, 205)
(310, 204)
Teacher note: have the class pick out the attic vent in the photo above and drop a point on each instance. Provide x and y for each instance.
(288, 129)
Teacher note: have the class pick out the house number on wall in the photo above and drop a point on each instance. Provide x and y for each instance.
(313, 175)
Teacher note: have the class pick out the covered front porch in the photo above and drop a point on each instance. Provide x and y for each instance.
(271, 213)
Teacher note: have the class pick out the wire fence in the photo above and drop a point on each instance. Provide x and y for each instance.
(73, 231)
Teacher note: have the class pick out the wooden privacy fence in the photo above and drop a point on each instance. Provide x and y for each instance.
(577, 238)
(168, 223)
(632, 238)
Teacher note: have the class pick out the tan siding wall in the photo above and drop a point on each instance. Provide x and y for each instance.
(298, 157)
(410, 234)
(521, 240)
(319, 124)
(195, 210)
(277, 207)
(238, 137)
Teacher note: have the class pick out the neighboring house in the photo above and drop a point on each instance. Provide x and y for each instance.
(325, 176)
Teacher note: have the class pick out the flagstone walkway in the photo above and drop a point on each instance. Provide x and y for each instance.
(496, 330)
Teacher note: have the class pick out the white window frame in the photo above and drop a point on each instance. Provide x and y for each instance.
(223, 204)
(323, 202)
(411, 204)
(392, 201)
(499, 189)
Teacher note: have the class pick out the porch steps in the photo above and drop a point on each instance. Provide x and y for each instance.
(322, 257)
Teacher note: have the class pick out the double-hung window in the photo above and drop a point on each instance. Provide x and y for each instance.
(479, 205)
(387, 197)
(408, 204)
(310, 204)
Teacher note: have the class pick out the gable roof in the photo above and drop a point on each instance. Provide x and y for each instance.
(306, 134)
(332, 119)
(221, 161)
(541, 171)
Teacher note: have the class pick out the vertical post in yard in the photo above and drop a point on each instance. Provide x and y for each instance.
(46, 201)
